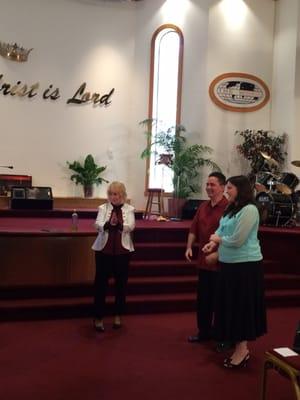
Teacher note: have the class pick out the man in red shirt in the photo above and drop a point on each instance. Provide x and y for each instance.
(204, 224)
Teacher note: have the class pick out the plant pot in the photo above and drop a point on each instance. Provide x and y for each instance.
(88, 190)
(175, 206)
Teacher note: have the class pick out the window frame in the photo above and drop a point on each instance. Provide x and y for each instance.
(151, 83)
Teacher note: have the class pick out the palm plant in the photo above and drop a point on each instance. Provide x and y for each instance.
(87, 174)
(184, 160)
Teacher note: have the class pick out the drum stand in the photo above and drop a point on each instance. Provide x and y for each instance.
(272, 183)
(277, 217)
(292, 222)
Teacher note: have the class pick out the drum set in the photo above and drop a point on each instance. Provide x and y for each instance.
(276, 194)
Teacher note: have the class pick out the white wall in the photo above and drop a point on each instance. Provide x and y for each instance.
(240, 40)
(74, 42)
(211, 48)
(284, 72)
(108, 45)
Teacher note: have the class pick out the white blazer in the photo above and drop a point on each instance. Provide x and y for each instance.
(104, 213)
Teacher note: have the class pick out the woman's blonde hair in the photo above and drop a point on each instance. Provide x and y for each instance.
(117, 187)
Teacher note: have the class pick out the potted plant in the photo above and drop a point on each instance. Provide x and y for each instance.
(262, 147)
(183, 159)
(87, 174)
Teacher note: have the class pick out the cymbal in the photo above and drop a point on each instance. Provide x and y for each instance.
(296, 163)
(269, 159)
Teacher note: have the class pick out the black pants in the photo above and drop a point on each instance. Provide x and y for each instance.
(206, 292)
(106, 266)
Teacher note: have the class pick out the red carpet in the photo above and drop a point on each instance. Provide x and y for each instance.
(149, 359)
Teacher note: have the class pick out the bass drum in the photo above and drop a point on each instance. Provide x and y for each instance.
(275, 208)
(296, 197)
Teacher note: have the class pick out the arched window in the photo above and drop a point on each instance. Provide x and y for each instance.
(164, 97)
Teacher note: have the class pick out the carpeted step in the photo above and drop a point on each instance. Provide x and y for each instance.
(136, 304)
(162, 267)
(162, 285)
(283, 298)
(140, 284)
(163, 233)
(78, 307)
(159, 251)
(136, 285)
(282, 281)
(272, 266)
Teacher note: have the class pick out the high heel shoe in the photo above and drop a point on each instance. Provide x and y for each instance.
(242, 364)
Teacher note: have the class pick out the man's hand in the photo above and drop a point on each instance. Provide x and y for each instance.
(209, 247)
(189, 254)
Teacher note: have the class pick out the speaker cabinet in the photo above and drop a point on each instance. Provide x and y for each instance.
(31, 198)
(190, 208)
(296, 346)
(7, 181)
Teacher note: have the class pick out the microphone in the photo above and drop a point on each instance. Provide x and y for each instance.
(7, 166)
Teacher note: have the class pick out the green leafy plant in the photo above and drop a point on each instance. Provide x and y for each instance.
(256, 142)
(87, 174)
(183, 159)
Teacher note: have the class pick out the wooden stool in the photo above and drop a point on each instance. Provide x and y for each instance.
(289, 367)
(152, 193)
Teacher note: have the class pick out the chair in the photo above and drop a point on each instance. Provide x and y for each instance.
(289, 367)
(155, 196)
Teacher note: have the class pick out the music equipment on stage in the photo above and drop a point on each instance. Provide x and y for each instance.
(7, 181)
(286, 182)
(265, 181)
(296, 346)
(190, 208)
(270, 161)
(31, 198)
(275, 208)
(277, 199)
(296, 196)
(296, 163)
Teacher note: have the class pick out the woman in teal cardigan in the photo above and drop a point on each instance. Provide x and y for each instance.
(240, 314)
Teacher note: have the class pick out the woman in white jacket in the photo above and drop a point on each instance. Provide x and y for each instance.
(113, 247)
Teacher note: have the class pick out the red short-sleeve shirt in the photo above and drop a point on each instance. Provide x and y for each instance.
(204, 224)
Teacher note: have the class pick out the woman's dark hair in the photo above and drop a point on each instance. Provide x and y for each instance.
(244, 197)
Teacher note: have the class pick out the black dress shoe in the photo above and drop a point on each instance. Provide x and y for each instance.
(198, 338)
(223, 346)
(98, 327)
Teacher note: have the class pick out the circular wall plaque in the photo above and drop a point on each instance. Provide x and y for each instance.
(236, 91)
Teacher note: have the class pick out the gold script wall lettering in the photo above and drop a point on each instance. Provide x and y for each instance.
(19, 89)
(81, 96)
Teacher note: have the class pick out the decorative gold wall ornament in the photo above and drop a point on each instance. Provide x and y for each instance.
(14, 52)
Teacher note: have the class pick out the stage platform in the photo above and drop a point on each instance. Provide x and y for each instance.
(47, 269)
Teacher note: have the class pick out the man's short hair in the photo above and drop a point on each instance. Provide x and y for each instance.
(221, 178)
